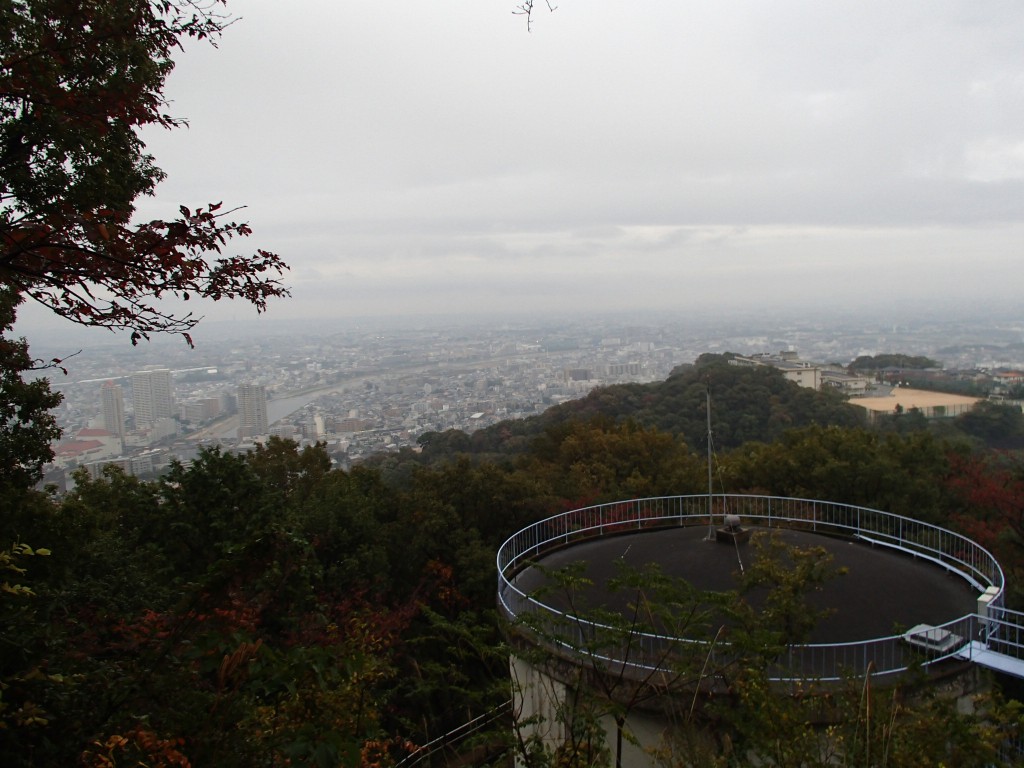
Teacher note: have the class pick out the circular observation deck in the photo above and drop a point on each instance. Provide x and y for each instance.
(908, 594)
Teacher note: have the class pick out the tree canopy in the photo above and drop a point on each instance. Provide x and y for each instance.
(878, 362)
(319, 612)
(26, 425)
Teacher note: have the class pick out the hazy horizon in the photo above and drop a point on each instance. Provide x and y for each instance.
(423, 160)
(57, 338)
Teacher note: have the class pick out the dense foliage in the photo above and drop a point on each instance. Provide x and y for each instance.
(27, 428)
(901, 362)
(242, 611)
(334, 617)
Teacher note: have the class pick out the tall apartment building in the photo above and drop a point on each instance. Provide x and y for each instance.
(152, 396)
(252, 410)
(112, 409)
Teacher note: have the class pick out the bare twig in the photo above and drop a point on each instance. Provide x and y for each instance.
(526, 9)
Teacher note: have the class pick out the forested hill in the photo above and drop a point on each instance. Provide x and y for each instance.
(747, 404)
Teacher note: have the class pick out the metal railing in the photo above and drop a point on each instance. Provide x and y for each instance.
(813, 661)
(1000, 631)
(455, 737)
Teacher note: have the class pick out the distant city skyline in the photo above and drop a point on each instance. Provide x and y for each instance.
(371, 389)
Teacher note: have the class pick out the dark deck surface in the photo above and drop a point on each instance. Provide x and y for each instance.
(882, 592)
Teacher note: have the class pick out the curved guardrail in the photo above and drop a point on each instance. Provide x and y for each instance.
(813, 661)
(455, 737)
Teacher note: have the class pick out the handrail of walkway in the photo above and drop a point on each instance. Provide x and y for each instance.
(818, 661)
(454, 737)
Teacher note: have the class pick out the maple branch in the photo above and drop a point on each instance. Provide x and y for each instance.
(38, 364)
(77, 81)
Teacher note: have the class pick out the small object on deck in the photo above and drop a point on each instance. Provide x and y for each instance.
(732, 532)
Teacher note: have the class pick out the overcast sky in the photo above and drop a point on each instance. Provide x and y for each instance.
(414, 157)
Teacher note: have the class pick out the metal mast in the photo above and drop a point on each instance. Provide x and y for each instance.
(711, 518)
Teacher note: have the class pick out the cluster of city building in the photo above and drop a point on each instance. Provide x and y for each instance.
(361, 392)
(868, 391)
(133, 439)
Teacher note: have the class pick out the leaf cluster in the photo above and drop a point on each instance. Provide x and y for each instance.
(900, 361)
(251, 608)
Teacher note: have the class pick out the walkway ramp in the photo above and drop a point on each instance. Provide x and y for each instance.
(980, 653)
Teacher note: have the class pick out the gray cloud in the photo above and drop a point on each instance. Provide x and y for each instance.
(419, 155)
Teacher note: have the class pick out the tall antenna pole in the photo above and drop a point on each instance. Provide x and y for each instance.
(711, 517)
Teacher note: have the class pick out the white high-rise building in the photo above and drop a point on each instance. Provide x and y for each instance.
(252, 410)
(112, 408)
(152, 396)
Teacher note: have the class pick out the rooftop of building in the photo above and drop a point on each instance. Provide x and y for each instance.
(75, 447)
(881, 593)
(94, 432)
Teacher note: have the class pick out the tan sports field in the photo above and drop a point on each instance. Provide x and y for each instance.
(915, 398)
